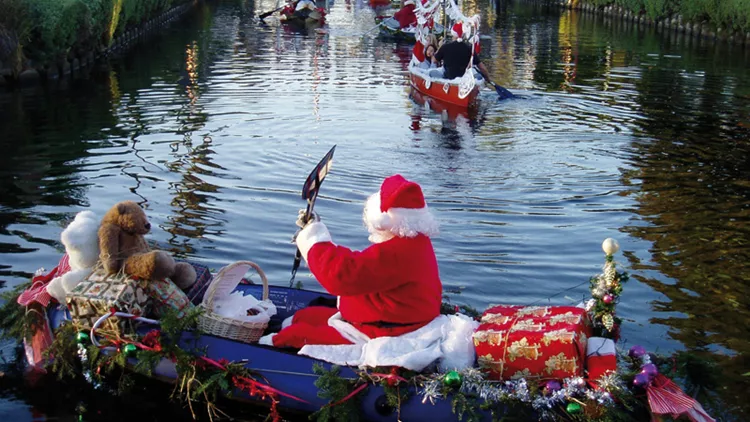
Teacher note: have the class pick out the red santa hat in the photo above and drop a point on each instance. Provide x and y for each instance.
(457, 30)
(398, 209)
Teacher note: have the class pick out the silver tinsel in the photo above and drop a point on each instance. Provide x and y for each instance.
(493, 392)
(84, 357)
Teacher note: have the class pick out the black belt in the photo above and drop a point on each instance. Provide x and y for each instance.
(383, 324)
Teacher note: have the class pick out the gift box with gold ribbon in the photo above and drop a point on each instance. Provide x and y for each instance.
(99, 294)
(532, 341)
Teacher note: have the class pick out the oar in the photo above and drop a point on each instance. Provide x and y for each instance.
(502, 92)
(267, 14)
(310, 193)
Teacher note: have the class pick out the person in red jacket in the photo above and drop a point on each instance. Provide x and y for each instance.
(391, 288)
(406, 16)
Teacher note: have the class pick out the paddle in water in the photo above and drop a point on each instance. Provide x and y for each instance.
(269, 13)
(310, 193)
(502, 92)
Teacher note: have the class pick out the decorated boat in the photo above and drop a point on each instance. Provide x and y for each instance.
(525, 362)
(461, 91)
(304, 13)
(584, 381)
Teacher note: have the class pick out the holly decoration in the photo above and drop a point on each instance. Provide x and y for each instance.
(452, 379)
(82, 337)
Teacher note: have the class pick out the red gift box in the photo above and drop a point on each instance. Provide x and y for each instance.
(532, 342)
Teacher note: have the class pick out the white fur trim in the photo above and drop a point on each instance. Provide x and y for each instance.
(347, 330)
(401, 222)
(600, 346)
(313, 233)
(287, 322)
(267, 340)
(81, 240)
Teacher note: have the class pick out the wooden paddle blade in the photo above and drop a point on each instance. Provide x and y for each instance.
(310, 188)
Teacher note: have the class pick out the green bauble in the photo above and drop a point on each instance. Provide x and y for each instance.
(129, 350)
(452, 379)
(573, 408)
(82, 337)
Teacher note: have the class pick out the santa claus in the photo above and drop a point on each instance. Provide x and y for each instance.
(390, 288)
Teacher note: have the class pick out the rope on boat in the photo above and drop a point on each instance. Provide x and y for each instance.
(555, 294)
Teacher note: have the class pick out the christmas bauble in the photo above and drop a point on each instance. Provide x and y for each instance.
(610, 246)
(552, 386)
(129, 349)
(641, 380)
(637, 351)
(452, 379)
(82, 337)
(650, 369)
(573, 408)
(608, 298)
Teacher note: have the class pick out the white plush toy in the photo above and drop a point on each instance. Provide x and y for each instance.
(82, 246)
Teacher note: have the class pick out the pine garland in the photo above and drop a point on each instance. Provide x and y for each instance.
(199, 379)
(16, 321)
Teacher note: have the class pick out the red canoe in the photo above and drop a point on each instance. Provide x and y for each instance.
(446, 90)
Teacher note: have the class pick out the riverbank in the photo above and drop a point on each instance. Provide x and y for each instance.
(729, 22)
(44, 41)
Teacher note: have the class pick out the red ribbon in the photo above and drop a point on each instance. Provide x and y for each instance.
(666, 397)
(249, 382)
(350, 395)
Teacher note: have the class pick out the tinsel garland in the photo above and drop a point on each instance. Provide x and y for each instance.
(609, 399)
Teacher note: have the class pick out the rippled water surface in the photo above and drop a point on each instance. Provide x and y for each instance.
(214, 124)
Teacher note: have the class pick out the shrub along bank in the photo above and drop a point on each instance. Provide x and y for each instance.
(34, 33)
(731, 15)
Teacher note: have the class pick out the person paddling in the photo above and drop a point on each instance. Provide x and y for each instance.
(390, 288)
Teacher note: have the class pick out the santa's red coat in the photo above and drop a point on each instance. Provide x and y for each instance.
(396, 281)
(388, 289)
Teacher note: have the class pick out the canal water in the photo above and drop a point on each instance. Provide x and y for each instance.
(214, 124)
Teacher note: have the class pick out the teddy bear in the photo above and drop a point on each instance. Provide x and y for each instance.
(123, 247)
(82, 246)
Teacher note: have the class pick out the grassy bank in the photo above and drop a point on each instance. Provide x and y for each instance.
(34, 33)
(731, 15)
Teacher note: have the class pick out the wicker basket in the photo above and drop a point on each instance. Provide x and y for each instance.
(220, 326)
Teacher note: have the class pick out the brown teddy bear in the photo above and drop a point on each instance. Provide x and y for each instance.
(122, 246)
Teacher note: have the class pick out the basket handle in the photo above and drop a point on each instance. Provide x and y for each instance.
(208, 299)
